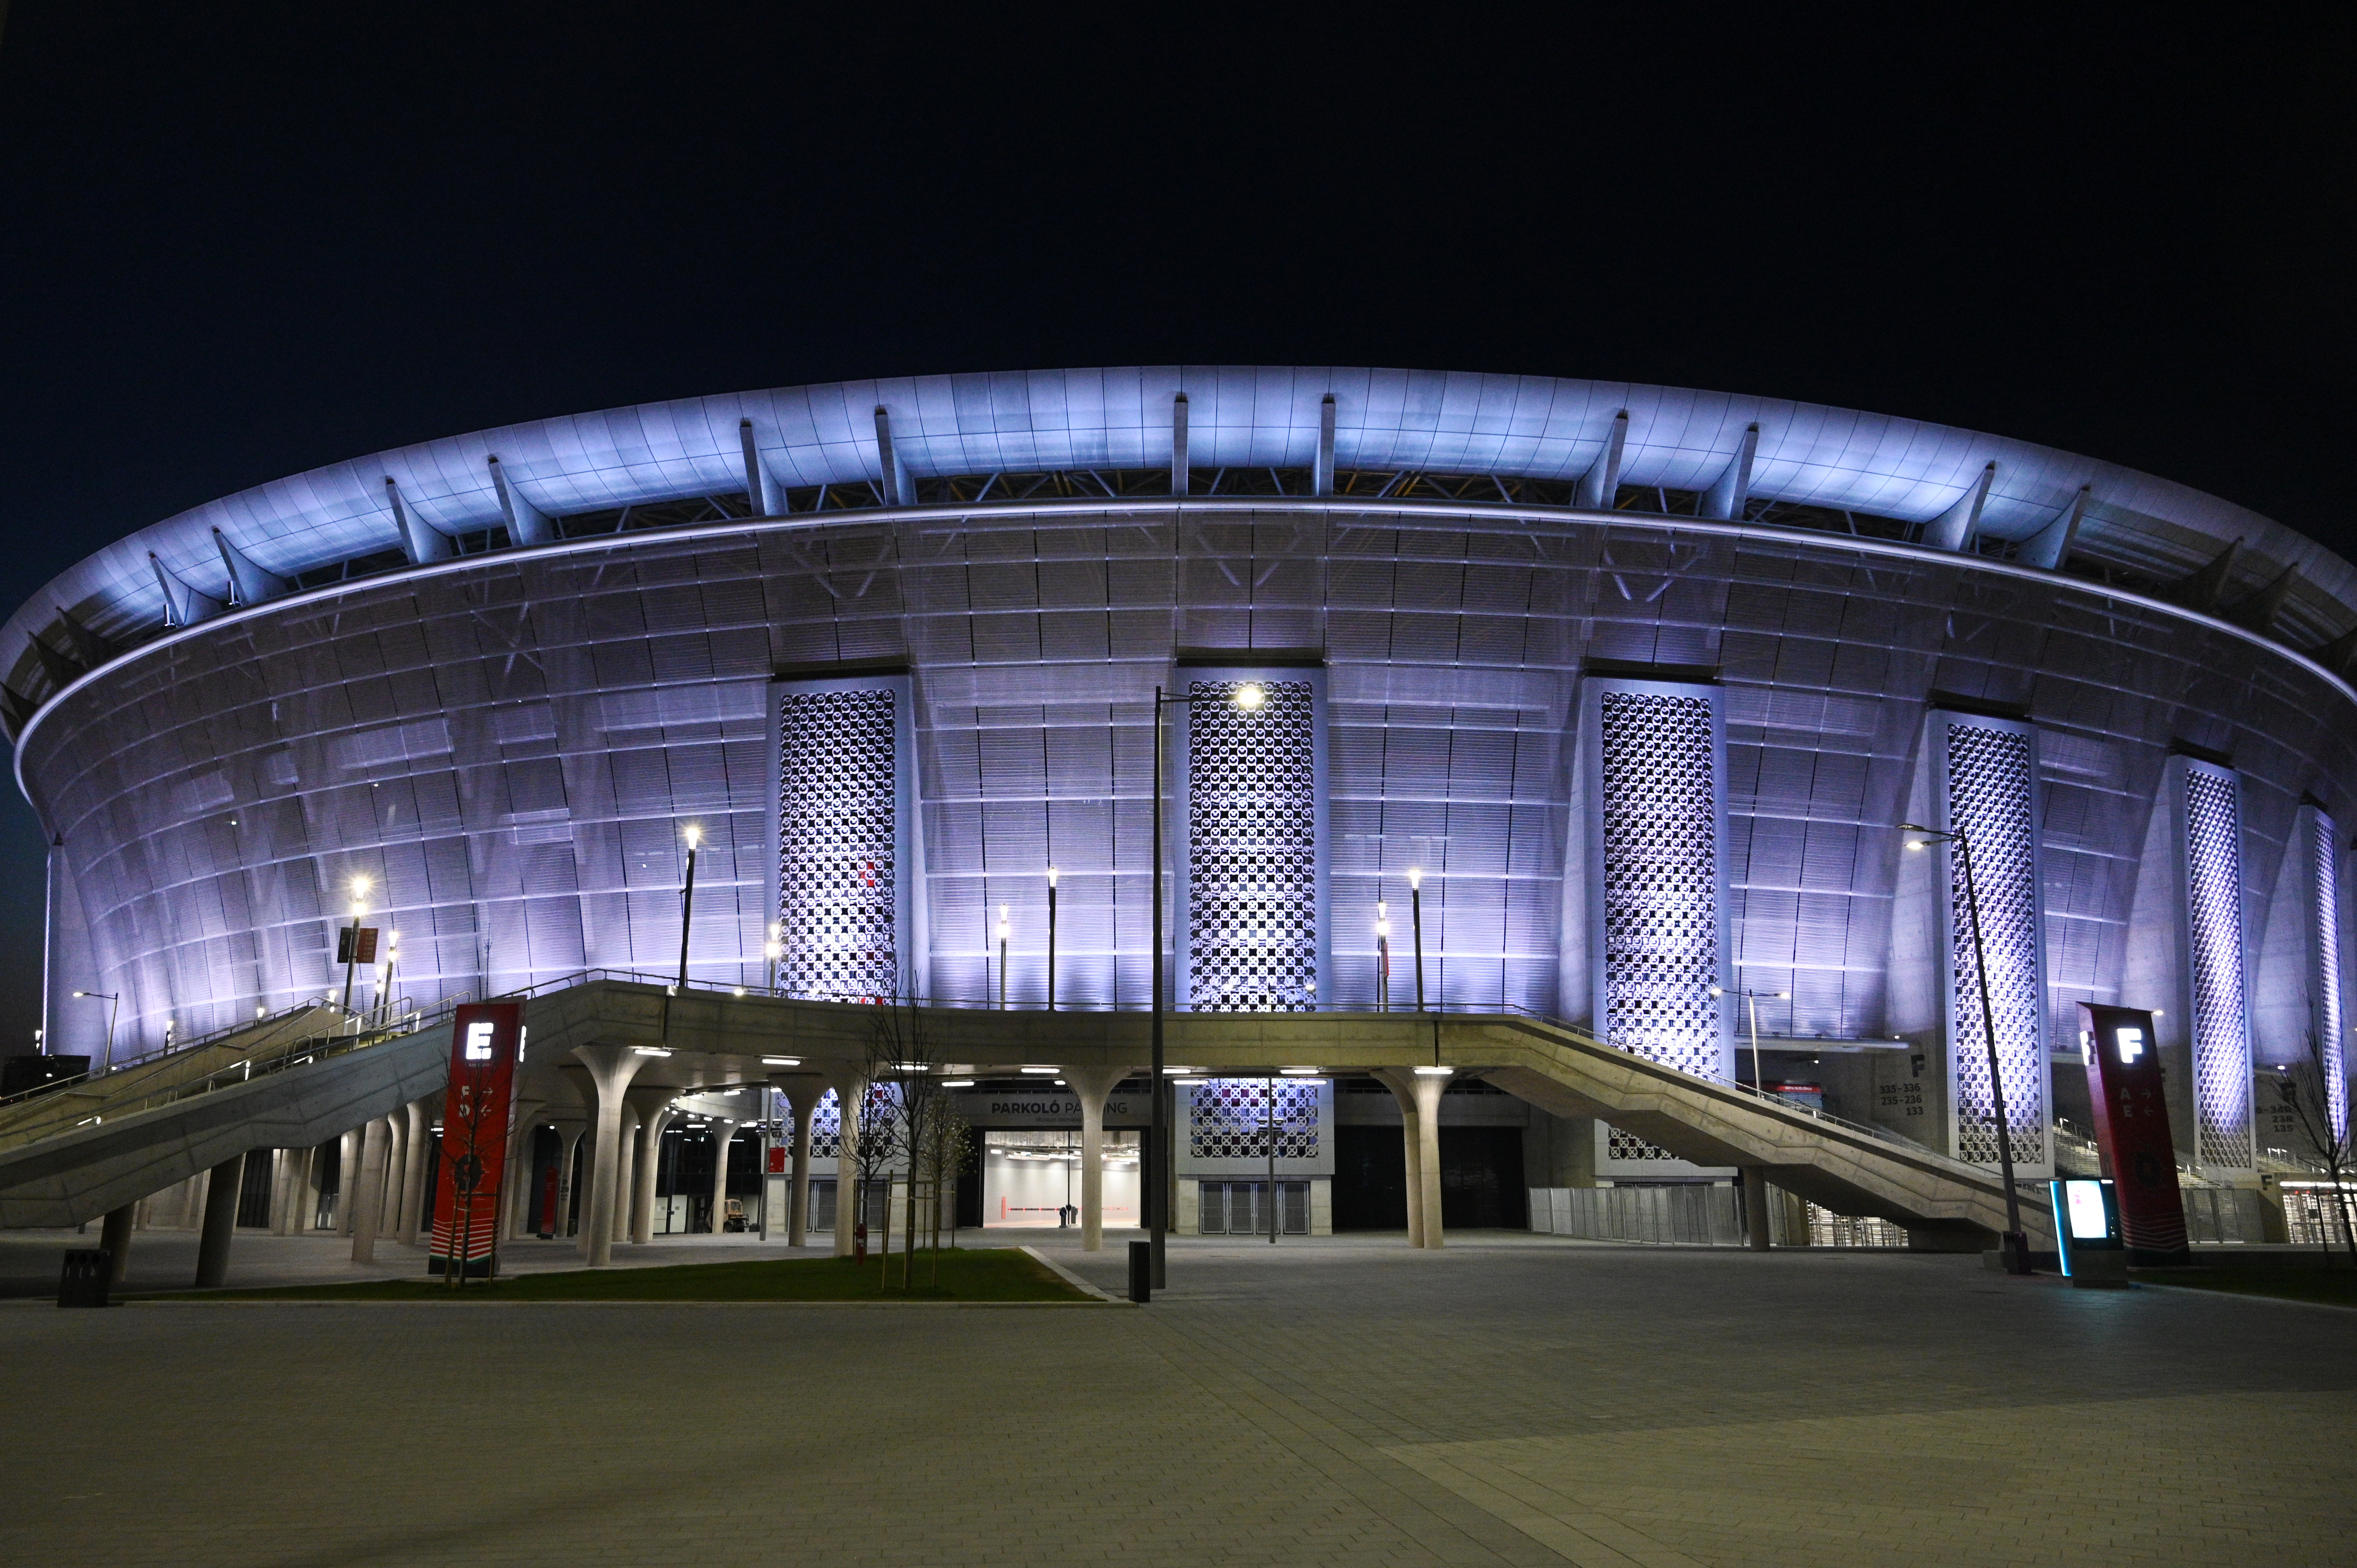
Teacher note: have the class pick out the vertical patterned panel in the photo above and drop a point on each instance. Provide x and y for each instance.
(1989, 787)
(1252, 845)
(837, 801)
(1660, 875)
(2222, 1035)
(2325, 925)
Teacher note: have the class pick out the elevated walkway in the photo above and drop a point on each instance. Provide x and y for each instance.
(300, 1085)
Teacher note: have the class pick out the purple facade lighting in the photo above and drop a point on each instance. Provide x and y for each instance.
(2222, 1020)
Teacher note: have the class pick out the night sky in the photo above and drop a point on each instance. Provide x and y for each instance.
(238, 241)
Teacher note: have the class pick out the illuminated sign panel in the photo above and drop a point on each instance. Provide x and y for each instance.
(2124, 1080)
(486, 1043)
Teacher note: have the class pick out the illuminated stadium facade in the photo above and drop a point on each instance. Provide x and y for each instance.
(1642, 681)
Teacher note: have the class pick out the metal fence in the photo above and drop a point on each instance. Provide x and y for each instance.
(1692, 1214)
(2224, 1214)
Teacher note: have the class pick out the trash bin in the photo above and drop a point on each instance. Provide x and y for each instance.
(1141, 1271)
(84, 1280)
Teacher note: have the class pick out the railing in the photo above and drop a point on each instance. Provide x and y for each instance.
(157, 1058)
(287, 1054)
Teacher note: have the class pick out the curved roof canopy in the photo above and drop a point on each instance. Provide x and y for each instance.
(1963, 489)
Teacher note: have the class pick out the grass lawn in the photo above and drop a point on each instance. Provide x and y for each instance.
(991, 1273)
(2293, 1276)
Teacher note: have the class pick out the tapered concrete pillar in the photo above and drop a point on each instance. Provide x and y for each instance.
(653, 1106)
(115, 1237)
(570, 1136)
(1399, 1081)
(724, 1134)
(1090, 1086)
(611, 1067)
(396, 1173)
(515, 1203)
(626, 1174)
(1429, 1091)
(417, 1113)
(376, 1140)
(281, 1165)
(803, 1092)
(348, 1180)
(850, 1096)
(1755, 1205)
(220, 1225)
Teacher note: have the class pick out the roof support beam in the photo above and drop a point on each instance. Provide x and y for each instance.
(2050, 545)
(2257, 610)
(1179, 444)
(1601, 483)
(419, 539)
(183, 606)
(760, 490)
(1731, 492)
(895, 484)
(93, 648)
(1953, 528)
(527, 524)
(2203, 589)
(61, 671)
(1321, 472)
(248, 584)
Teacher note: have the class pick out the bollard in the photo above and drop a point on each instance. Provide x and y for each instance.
(1141, 1271)
(84, 1281)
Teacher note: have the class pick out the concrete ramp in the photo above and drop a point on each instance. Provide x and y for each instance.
(140, 1139)
(1846, 1168)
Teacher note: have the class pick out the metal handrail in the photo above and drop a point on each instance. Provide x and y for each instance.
(291, 1054)
(156, 1059)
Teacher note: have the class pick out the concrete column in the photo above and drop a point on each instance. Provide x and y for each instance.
(396, 1173)
(115, 1237)
(611, 1067)
(1091, 1085)
(192, 1201)
(348, 1180)
(220, 1223)
(803, 1092)
(314, 1170)
(568, 1145)
(653, 1105)
(1427, 1142)
(1399, 1081)
(281, 1163)
(850, 1094)
(414, 1217)
(1755, 1205)
(724, 1134)
(375, 1141)
(515, 1204)
(626, 1173)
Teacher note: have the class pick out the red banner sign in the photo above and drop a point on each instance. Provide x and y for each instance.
(2124, 1080)
(485, 1041)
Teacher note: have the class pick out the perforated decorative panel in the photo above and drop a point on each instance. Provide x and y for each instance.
(1620, 1146)
(1659, 789)
(2324, 861)
(2222, 1038)
(837, 800)
(1252, 845)
(826, 1119)
(1991, 803)
(1228, 1119)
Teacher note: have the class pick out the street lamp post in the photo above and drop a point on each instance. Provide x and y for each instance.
(774, 949)
(2016, 1243)
(1156, 1167)
(1415, 920)
(114, 1000)
(1383, 957)
(1752, 1001)
(1001, 958)
(1052, 939)
(688, 903)
(352, 953)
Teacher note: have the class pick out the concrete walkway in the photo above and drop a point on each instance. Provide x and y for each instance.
(1517, 1399)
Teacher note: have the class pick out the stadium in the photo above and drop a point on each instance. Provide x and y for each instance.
(1606, 706)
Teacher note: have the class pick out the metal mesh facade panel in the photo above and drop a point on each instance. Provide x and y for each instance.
(1989, 785)
(1660, 877)
(837, 878)
(1252, 844)
(2222, 1037)
(2324, 923)
(1228, 1119)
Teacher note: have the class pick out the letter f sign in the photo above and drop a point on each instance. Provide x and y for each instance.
(2131, 1044)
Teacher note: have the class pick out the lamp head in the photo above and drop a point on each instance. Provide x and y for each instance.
(1415, 879)
(81, 993)
(1919, 844)
(1719, 991)
(1783, 995)
(695, 836)
(1051, 876)
(1251, 695)
(360, 886)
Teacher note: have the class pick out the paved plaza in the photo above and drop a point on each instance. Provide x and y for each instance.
(1508, 1400)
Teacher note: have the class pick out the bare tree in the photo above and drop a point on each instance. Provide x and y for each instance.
(883, 1129)
(903, 1051)
(2304, 1089)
